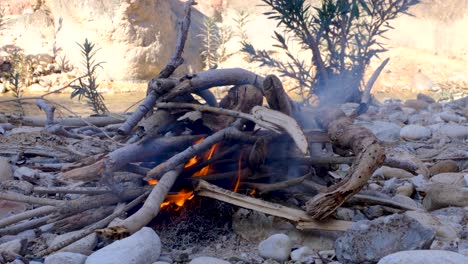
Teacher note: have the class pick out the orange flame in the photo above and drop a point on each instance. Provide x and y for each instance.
(239, 172)
(153, 182)
(194, 159)
(204, 171)
(178, 199)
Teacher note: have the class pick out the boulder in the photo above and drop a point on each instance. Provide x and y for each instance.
(425, 257)
(369, 241)
(450, 178)
(416, 104)
(426, 98)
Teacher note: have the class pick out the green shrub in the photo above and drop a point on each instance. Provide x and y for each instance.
(341, 36)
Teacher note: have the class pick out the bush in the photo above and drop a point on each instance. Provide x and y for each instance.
(342, 37)
(88, 87)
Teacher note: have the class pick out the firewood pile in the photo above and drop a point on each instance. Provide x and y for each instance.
(81, 173)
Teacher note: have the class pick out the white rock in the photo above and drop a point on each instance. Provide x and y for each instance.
(415, 132)
(277, 247)
(424, 257)
(451, 178)
(208, 260)
(142, 247)
(65, 258)
(82, 246)
(10, 247)
(454, 131)
(451, 117)
(6, 173)
(302, 254)
(384, 131)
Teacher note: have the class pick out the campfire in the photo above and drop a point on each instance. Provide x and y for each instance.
(175, 147)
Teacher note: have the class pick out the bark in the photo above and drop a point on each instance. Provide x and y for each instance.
(369, 156)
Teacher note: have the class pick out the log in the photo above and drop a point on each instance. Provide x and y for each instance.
(369, 156)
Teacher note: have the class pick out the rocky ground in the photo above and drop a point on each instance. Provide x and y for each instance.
(417, 203)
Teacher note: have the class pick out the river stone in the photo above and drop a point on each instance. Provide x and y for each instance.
(454, 131)
(448, 116)
(415, 132)
(444, 166)
(451, 178)
(416, 104)
(6, 172)
(208, 260)
(303, 255)
(424, 257)
(426, 98)
(443, 232)
(65, 258)
(384, 131)
(368, 241)
(277, 247)
(142, 247)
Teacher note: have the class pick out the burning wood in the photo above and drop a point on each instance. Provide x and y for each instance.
(238, 144)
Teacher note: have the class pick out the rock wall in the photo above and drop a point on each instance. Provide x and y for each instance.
(136, 37)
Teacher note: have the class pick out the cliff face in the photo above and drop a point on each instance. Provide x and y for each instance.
(135, 37)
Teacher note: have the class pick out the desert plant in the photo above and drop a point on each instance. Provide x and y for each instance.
(15, 81)
(64, 64)
(241, 20)
(214, 39)
(342, 36)
(87, 86)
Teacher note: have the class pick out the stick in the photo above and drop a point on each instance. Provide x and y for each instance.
(152, 204)
(16, 197)
(209, 190)
(184, 156)
(175, 61)
(13, 230)
(213, 78)
(366, 94)
(360, 198)
(270, 187)
(101, 224)
(73, 190)
(276, 96)
(26, 215)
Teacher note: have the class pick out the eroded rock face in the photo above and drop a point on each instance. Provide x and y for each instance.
(136, 38)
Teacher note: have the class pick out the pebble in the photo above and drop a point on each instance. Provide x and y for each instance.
(6, 172)
(454, 131)
(425, 257)
(444, 166)
(12, 247)
(384, 131)
(415, 132)
(142, 247)
(416, 104)
(277, 247)
(430, 221)
(65, 258)
(451, 117)
(368, 241)
(425, 98)
(303, 255)
(450, 178)
(208, 260)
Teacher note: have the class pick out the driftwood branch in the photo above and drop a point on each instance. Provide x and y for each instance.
(184, 156)
(299, 216)
(369, 156)
(152, 204)
(367, 90)
(101, 224)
